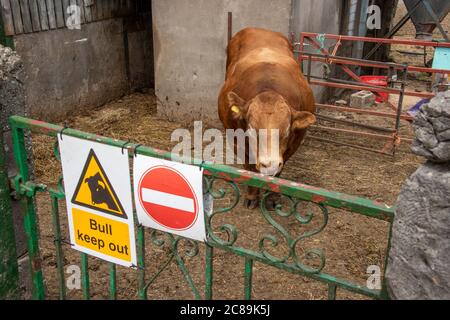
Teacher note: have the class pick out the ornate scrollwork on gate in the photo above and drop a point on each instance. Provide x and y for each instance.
(311, 261)
(304, 218)
(217, 194)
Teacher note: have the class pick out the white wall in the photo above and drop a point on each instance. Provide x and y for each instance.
(322, 16)
(190, 40)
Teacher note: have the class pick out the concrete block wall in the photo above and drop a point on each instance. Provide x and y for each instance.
(71, 69)
(322, 16)
(190, 40)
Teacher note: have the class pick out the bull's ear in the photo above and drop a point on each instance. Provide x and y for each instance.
(236, 104)
(302, 120)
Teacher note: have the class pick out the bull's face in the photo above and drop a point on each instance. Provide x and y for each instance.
(269, 111)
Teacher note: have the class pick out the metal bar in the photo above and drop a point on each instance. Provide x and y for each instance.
(297, 190)
(187, 276)
(30, 220)
(332, 292)
(348, 60)
(291, 267)
(301, 49)
(159, 271)
(368, 87)
(350, 145)
(142, 292)
(344, 67)
(58, 246)
(368, 63)
(394, 30)
(384, 291)
(436, 19)
(9, 269)
(346, 70)
(361, 111)
(367, 134)
(356, 86)
(433, 44)
(85, 276)
(112, 282)
(362, 125)
(377, 89)
(209, 272)
(309, 71)
(400, 107)
(248, 274)
(230, 26)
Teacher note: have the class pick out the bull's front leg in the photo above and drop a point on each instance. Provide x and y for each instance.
(252, 197)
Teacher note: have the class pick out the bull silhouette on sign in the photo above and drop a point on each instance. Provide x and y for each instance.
(99, 192)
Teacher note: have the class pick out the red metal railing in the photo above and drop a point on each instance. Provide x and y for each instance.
(323, 55)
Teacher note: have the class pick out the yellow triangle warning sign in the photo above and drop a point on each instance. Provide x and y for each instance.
(94, 189)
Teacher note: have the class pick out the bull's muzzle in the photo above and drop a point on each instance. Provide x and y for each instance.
(269, 167)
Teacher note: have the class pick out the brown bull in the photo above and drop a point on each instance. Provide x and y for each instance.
(264, 89)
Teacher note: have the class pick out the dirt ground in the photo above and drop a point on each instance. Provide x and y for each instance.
(350, 242)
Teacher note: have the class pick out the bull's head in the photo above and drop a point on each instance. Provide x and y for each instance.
(270, 111)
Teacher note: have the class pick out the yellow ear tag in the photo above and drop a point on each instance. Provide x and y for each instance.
(235, 109)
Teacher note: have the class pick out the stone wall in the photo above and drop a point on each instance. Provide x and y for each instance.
(12, 102)
(419, 260)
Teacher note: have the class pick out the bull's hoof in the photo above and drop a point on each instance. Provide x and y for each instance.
(272, 201)
(251, 204)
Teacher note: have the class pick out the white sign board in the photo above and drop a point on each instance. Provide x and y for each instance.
(169, 196)
(98, 197)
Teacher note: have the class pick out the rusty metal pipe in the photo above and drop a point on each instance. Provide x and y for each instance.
(349, 145)
(373, 113)
(367, 126)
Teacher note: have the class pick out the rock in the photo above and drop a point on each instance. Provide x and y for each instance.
(419, 259)
(444, 135)
(434, 107)
(432, 128)
(417, 148)
(440, 123)
(442, 152)
(421, 120)
(427, 137)
(362, 99)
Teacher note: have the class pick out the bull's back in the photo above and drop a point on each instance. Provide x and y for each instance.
(250, 39)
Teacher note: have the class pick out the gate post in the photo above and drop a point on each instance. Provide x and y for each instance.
(9, 269)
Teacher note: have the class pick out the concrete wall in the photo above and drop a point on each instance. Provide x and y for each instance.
(190, 40)
(12, 102)
(323, 16)
(71, 69)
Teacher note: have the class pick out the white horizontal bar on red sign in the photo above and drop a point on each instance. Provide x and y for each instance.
(168, 200)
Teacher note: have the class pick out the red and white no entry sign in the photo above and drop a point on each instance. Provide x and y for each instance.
(169, 197)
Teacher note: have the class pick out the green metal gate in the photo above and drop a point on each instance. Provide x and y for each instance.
(222, 237)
